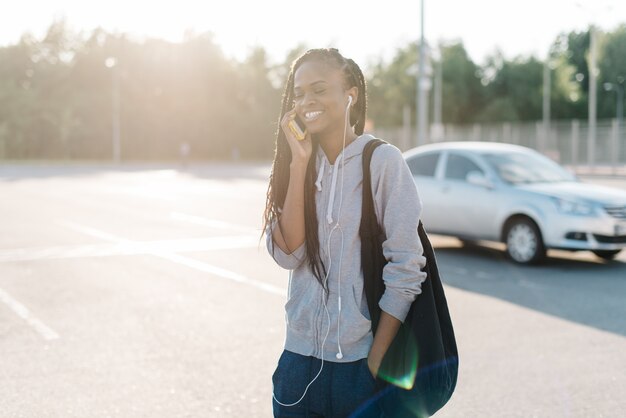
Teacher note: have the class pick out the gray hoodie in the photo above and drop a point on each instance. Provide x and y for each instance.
(398, 207)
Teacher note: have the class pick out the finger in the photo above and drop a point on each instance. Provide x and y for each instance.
(291, 113)
(287, 130)
(287, 117)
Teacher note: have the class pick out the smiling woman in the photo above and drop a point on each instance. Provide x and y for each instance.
(319, 102)
(332, 354)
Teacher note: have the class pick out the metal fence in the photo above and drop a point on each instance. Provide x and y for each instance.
(567, 142)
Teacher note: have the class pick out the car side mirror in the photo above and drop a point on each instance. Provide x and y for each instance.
(478, 179)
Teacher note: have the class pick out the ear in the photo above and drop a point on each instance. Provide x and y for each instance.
(354, 92)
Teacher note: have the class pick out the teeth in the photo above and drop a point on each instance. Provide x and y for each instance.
(312, 115)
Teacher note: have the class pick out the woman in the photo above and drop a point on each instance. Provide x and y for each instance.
(311, 222)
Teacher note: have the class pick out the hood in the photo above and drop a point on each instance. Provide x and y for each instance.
(579, 191)
(352, 150)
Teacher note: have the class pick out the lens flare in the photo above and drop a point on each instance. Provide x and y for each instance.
(399, 367)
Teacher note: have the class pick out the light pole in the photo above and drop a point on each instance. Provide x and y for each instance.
(437, 128)
(111, 63)
(593, 73)
(547, 90)
(593, 13)
(422, 103)
(618, 88)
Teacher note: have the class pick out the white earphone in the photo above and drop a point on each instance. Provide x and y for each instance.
(339, 354)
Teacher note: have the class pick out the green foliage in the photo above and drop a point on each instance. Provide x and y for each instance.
(57, 94)
(462, 93)
(571, 75)
(259, 104)
(499, 109)
(518, 82)
(612, 68)
(56, 98)
(392, 86)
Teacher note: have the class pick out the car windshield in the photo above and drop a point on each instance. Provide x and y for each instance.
(519, 167)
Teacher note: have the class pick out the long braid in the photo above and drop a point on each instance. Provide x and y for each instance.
(279, 177)
(357, 114)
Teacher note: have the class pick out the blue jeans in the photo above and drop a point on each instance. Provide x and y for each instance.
(341, 390)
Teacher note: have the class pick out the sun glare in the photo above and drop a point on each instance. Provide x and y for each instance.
(280, 25)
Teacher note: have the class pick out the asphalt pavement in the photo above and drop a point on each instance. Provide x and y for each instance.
(146, 291)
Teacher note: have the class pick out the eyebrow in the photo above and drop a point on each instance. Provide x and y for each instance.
(312, 84)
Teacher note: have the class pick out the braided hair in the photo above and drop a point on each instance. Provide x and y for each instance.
(279, 178)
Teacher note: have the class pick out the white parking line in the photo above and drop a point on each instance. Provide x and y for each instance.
(127, 248)
(167, 254)
(94, 232)
(211, 223)
(226, 274)
(45, 331)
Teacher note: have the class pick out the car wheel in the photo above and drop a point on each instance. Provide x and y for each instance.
(606, 254)
(524, 244)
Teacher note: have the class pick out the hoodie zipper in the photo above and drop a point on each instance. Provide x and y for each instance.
(326, 228)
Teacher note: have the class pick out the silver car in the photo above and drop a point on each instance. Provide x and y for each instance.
(515, 195)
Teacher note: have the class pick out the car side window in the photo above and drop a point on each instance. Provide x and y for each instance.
(424, 165)
(458, 167)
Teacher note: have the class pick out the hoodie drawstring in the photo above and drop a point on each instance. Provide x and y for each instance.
(318, 182)
(318, 185)
(329, 212)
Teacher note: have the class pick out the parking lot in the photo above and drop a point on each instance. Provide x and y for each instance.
(146, 291)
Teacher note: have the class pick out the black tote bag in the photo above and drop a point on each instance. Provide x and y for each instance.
(419, 371)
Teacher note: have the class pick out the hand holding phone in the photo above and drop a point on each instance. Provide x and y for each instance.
(297, 136)
(297, 127)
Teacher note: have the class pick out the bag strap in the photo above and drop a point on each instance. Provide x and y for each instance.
(372, 259)
(369, 223)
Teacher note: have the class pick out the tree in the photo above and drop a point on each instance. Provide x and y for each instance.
(392, 86)
(258, 104)
(612, 66)
(571, 75)
(56, 92)
(462, 95)
(520, 81)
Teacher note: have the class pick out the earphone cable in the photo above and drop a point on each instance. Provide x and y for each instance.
(337, 226)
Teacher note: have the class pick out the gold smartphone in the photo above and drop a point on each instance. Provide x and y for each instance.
(297, 128)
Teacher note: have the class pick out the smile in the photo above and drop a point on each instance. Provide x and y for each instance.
(311, 116)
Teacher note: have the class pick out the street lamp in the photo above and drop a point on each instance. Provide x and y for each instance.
(437, 128)
(619, 89)
(423, 84)
(592, 12)
(548, 67)
(111, 62)
(592, 105)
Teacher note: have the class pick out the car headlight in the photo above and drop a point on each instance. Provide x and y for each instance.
(572, 207)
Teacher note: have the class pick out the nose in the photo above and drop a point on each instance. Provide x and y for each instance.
(308, 99)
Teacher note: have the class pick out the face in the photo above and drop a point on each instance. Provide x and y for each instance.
(320, 97)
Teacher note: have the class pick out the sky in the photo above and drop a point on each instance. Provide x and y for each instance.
(362, 30)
